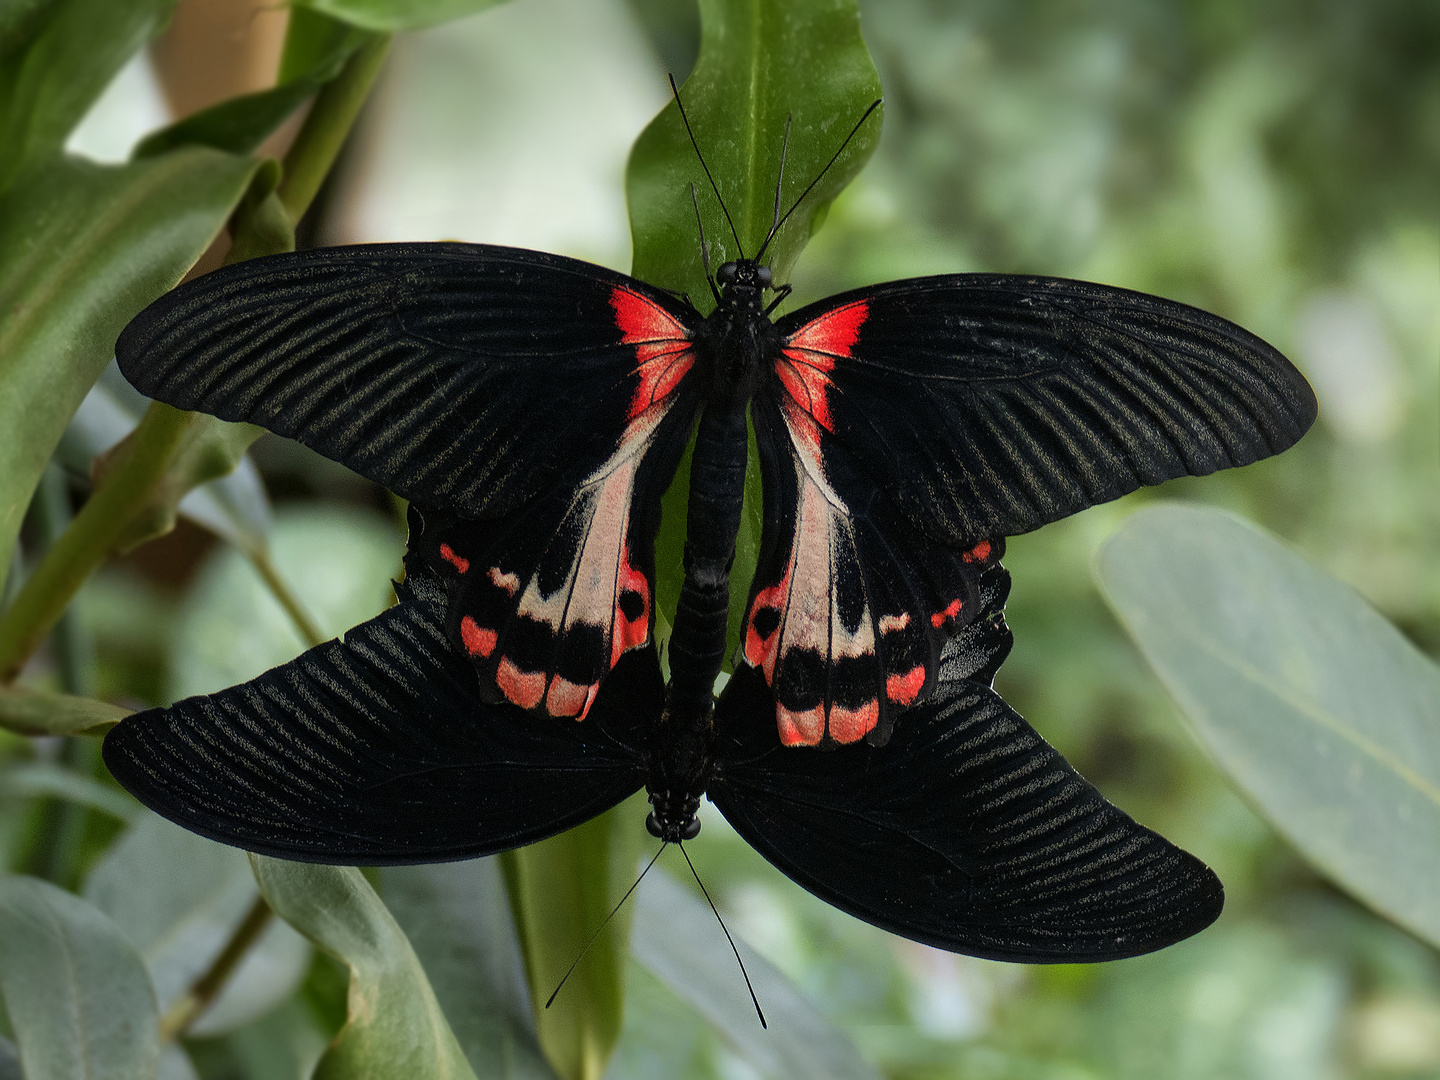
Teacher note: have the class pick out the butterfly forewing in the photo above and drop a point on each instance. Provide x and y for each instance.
(988, 405)
(538, 403)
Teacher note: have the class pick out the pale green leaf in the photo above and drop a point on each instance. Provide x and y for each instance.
(395, 1027)
(1315, 706)
(178, 898)
(34, 712)
(76, 992)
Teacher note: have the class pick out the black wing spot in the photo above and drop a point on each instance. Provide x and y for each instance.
(632, 604)
(766, 622)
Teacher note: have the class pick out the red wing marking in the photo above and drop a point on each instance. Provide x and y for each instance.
(940, 618)
(524, 688)
(903, 689)
(810, 354)
(979, 553)
(662, 346)
(460, 563)
(603, 604)
(801, 728)
(478, 641)
(891, 623)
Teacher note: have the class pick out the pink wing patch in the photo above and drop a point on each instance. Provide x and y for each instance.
(602, 606)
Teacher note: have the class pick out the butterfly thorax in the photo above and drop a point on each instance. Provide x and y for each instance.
(737, 339)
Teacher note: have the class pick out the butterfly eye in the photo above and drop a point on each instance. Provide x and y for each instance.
(762, 275)
(726, 274)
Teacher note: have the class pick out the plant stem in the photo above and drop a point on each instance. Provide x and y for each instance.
(204, 990)
(315, 148)
(309, 630)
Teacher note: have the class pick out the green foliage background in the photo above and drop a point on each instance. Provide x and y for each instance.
(1274, 162)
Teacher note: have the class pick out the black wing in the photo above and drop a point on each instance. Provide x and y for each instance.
(375, 750)
(988, 405)
(966, 831)
(484, 383)
(463, 376)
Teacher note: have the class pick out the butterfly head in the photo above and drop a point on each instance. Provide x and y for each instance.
(743, 283)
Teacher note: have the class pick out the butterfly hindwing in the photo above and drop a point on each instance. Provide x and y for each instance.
(376, 750)
(850, 606)
(468, 377)
(966, 831)
(988, 405)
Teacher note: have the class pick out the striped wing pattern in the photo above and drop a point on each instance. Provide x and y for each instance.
(988, 405)
(967, 832)
(376, 749)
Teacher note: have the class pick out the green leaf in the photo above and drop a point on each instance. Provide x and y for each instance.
(394, 1027)
(84, 247)
(397, 14)
(77, 994)
(32, 712)
(457, 919)
(1314, 705)
(57, 59)
(759, 63)
(28, 779)
(241, 124)
(561, 890)
(178, 898)
(680, 941)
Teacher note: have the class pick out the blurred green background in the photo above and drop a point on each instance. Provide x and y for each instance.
(1276, 162)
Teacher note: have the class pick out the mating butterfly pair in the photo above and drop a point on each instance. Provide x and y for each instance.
(533, 409)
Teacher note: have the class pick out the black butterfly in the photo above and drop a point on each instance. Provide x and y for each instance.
(534, 408)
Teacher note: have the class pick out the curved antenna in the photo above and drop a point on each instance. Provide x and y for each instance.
(676, 91)
(753, 999)
(551, 1000)
(833, 158)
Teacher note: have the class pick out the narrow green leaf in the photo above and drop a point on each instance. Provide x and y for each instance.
(394, 1027)
(83, 248)
(397, 14)
(561, 890)
(1314, 705)
(760, 62)
(681, 943)
(178, 898)
(458, 921)
(57, 59)
(32, 712)
(77, 994)
(27, 779)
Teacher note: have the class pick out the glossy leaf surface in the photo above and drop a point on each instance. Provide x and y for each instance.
(1324, 715)
(398, 14)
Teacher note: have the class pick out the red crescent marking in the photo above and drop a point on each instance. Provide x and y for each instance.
(630, 633)
(524, 688)
(903, 689)
(662, 346)
(458, 561)
(834, 332)
(800, 728)
(478, 641)
(810, 357)
(569, 699)
(979, 553)
(851, 725)
(938, 619)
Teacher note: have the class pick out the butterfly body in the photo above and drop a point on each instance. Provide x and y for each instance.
(533, 409)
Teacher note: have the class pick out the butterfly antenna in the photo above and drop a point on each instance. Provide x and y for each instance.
(676, 91)
(833, 158)
(551, 1000)
(704, 248)
(753, 999)
(780, 179)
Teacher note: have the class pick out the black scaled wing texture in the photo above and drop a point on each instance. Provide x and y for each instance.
(967, 831)
(988, 405)
(376, 750)
(468, 377)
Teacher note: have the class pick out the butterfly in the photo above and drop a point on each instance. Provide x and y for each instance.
(534, 408)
